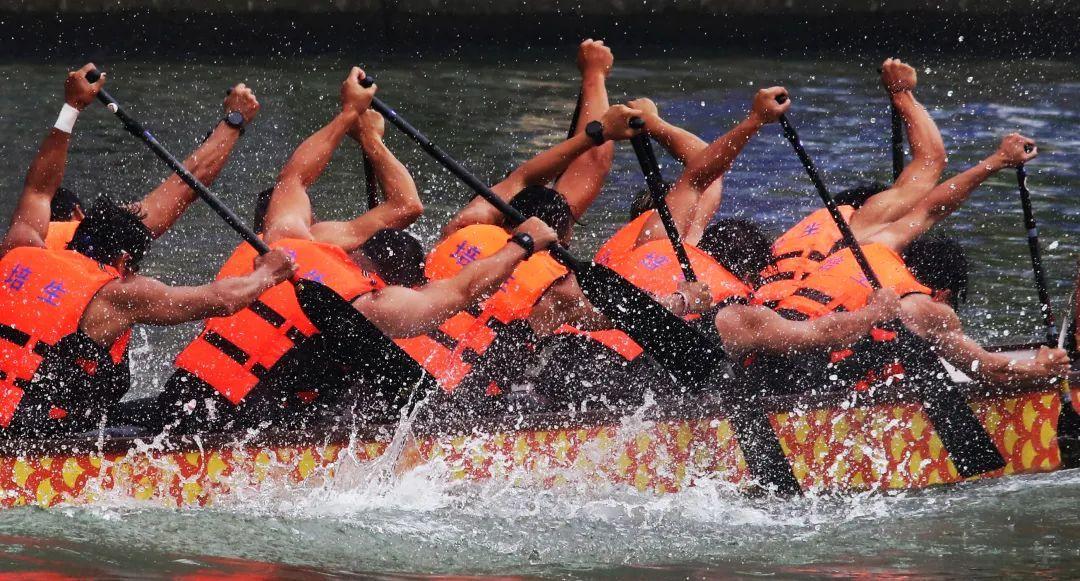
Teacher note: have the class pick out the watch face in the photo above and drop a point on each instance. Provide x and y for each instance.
(235, 119)
(595, 130)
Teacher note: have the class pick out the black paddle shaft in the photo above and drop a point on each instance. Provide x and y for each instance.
(823, 191)
(965, 438)
(1037, 267)
(136, 129)
(681, 350)
(646, 157)
(897, 142)
(760, 446)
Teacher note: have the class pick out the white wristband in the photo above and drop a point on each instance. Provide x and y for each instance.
(66, 121)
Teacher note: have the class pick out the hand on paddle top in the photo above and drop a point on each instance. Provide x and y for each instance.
(241, 98)
(1052, 362)
(649, 113)
(897, 76)
(616, 121)
(594, 57)
(885, 304)
(765, 109)
(698, 296)
(542, 234)
(1015, 150)
(276, 265)
(353, 95)
(78, 92)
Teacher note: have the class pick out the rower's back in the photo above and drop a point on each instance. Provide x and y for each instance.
(55, 377)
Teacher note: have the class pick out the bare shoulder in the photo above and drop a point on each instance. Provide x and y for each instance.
(131, 290)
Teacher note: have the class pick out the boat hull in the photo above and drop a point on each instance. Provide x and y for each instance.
(845, 446)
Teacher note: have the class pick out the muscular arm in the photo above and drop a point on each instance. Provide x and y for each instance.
(165, 205)
(939, 324)
(30, 223)
(584, 177)
(943, 200)
(704, 169)
(707, 206)
(289, 212)
(401, 205)
(681, 143)
(749, 328)
(539, 170)
(403, 312)
(137, 299)
(918, 177)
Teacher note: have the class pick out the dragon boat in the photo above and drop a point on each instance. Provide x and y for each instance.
(834, 442)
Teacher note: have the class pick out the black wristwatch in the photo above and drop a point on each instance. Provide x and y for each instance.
(525, 241)
(235, 119)
(595, 131)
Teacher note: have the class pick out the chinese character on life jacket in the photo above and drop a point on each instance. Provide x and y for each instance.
(810, 229)
(17, 277)
(654, 261)
(52, 293)
(465, 253)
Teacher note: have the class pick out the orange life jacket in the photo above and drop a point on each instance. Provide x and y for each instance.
(654, 268)
(450, 353)
(60, 234)
(798, 252)
(839, 285)
(435, 350)
(43, 295)
(233, 353)
(624, 241)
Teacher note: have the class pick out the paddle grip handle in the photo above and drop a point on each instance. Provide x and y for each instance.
(637, 123)
(136, 129)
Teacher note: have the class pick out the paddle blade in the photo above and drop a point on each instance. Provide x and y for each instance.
(970, 447)
(1068, 434)
(678, 347)
(387, 369)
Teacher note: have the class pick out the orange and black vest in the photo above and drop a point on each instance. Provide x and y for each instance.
(60, 234)
(43, 295)
(654, 268)
(624, 241)
(839, 285)
(233, 353)
(798, 252)
(450, 353)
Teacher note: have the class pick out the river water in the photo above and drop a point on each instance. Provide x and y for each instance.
(492, 113)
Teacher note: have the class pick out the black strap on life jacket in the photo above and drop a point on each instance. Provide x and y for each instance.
(237, 353)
